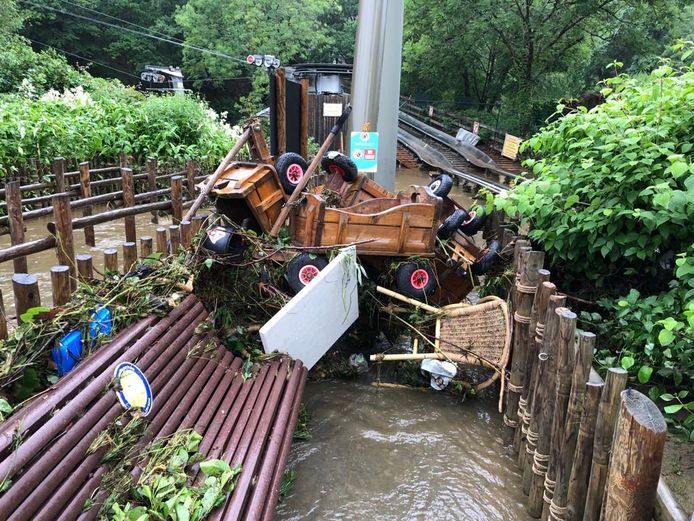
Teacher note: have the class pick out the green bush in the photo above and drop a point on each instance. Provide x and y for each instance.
(653, 337)
(614, 186)
(57, 110)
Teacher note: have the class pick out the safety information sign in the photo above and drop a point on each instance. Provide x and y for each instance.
(364, 147)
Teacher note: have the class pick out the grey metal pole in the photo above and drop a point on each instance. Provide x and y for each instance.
(390, 94)
(368, 56)
(376, 78)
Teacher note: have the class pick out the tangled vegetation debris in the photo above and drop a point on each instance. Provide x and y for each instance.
(162, 492)
(153, 288)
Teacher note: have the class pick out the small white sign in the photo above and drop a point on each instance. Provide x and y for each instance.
(332, 110)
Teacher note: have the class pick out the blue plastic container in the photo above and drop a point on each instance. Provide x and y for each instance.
(100, 323)
(68, 352)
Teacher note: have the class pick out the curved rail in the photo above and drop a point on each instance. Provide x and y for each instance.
(471, 154)
(429, 155)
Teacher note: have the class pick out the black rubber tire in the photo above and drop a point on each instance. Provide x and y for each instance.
(290, 167)
(441, 185)
(488, 258)
(336, 163)
(302, 269)
(474, 222)
(451, 224)
(408, 271)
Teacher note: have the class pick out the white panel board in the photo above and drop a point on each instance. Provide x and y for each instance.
(317, 316)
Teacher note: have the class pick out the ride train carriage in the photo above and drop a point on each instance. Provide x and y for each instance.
(420, 230)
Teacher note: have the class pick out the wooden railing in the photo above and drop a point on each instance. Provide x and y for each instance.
(577, 439)
(61, 228)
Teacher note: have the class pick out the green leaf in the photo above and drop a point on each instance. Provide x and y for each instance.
(29, 314)
(667, 397)
(665, 337)
(214, 467)
(672, 409)
(627, 362)
(645, 373)
(208, 263)
(5, 407)
(679, 168)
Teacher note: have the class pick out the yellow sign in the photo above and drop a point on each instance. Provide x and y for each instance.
(511, 144)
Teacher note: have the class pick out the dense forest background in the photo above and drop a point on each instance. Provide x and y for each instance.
(506, 63)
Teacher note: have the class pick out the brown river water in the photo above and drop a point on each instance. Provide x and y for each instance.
(387, 454)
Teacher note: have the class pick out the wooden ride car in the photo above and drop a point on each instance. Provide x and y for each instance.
(249, 194)
(400, 226)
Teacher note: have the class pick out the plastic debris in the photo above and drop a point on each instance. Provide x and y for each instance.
(441, 372)
(358, 362)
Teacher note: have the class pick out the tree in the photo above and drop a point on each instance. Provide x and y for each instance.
(122, 51)
(292, 30)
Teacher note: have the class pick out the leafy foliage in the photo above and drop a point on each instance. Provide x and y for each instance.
(517, 60)
(614, 186)
(653, 338)
(106, 119)
(162, 491)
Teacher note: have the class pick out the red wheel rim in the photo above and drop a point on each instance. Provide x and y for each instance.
(419, 279)
(295, 173)
(471, 216)
(308, 273)
(334, 169)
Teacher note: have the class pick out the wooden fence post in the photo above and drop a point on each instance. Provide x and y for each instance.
(3, 318)
(525, 288)
(129, 256)
(13, 196)
(60, 282)
(186, 234)
(86, 189)
(637, 456)
(566, 359)
(541, 391)
(123, 160)
(190, 178)
(162, 246)
(26, 293)
(581, 371)
(615, 382)
(145, 246)
(58, 170)
(174, 238)
(85, 269)
(280, 107)
(543, 408)
(539, 308)
(303, 126)
(152, 182)
(176, 199)
(580, 472)
(65, 242)
(128, 186)
(197, 223)
(110, 260)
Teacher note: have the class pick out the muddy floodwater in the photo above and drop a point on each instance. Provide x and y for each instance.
(386, 454)
(406, 177)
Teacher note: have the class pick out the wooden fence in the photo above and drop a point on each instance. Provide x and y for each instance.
(60, 236)
(588, 449)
